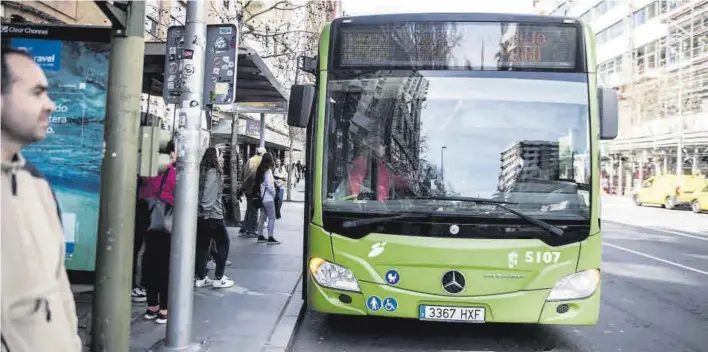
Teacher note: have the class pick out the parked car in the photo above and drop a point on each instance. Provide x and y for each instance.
(698, 201)
(667, 190)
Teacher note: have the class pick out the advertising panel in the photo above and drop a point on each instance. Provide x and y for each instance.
(75, 61)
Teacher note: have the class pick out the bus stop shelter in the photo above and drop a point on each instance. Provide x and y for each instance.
(255, 83)
(254, 80)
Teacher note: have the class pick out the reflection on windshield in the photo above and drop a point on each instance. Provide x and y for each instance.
(396, 135)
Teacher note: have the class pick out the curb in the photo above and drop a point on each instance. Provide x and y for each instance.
(283, 334)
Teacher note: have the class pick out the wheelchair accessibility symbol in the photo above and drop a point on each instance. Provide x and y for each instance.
(390, 304)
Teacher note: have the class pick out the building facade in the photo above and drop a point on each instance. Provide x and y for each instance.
(528, 160)
(54, 12)
(655, 54)
(161, 14)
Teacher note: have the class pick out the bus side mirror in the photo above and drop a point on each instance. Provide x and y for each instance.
(608, 103)
(300, 105)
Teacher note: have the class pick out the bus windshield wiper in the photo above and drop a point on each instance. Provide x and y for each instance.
(502, 205)
(361, 222)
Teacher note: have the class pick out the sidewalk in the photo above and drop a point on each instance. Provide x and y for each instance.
(259, 313)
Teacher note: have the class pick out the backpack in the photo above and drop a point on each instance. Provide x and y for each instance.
(247, 184)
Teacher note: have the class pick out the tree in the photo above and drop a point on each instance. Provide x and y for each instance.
(286, 30)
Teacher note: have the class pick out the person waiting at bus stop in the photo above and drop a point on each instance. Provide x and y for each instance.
(158, 242)
(210, 225)
(248, 229)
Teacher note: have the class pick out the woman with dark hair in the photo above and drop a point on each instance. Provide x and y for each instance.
(157, 243)
(210, 225)
(264, 187)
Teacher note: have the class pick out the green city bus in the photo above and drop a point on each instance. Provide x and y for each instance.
(452, 168)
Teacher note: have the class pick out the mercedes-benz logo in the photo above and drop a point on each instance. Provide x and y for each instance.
(453, 282)
(454, 229)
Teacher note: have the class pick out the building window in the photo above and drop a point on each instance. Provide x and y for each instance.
(601, 8)
(646, 13)
(611, 32)
(153, 13)
(668, 5)
(608, 69)
(151, 26)
(598, 10)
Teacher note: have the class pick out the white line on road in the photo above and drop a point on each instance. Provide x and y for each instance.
(702, 238)
(657, 259)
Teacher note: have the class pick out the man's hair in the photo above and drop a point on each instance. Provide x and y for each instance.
(7, 75)
(260, 151)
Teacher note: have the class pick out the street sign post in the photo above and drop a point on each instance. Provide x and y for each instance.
(220, 60)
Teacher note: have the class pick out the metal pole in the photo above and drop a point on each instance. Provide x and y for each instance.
(179, 324)
(235, 166)
(262, 126)
(620, 175)
(110, 327)
(442, 168)
(679, 145)
(612, 175)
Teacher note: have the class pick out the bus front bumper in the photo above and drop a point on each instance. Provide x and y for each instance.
(517, 307)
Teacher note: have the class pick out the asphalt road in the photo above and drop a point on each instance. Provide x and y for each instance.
(654, 299)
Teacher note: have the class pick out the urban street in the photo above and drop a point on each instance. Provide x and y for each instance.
(653, 299)
(220, 153)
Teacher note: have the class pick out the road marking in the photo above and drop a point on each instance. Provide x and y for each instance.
(702, 238)
(657, 259)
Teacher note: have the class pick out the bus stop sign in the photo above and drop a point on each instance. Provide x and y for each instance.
(221, 55)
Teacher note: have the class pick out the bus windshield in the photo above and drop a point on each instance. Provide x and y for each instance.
(396, 137)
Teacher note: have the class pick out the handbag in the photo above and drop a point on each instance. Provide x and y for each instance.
(278, 202)
(161, 213)
(257, 203)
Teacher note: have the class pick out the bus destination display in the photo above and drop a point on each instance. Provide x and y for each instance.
(458, 45)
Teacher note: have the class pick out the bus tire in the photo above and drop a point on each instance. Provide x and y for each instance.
(696, 206)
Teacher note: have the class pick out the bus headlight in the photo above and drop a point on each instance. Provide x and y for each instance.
(333, 276)
(575, 286)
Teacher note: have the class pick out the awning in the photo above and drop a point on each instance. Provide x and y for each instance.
(222, 133)
(254, 81)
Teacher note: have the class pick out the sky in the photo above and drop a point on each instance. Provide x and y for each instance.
(368, 7)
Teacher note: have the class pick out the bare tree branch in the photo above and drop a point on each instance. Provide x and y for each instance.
(294, 7)
(273, 7)
(277, 34)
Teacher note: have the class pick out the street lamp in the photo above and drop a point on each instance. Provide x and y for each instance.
(442, 167)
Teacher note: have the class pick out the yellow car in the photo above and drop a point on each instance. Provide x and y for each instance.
(668, 190)
(697, 200)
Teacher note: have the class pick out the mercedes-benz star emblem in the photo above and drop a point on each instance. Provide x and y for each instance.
(453, 282)
(454, 229)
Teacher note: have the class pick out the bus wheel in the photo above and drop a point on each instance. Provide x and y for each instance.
(668, 204)
(696, 207)
(636, 200)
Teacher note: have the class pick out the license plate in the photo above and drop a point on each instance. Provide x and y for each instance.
(455, 314)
